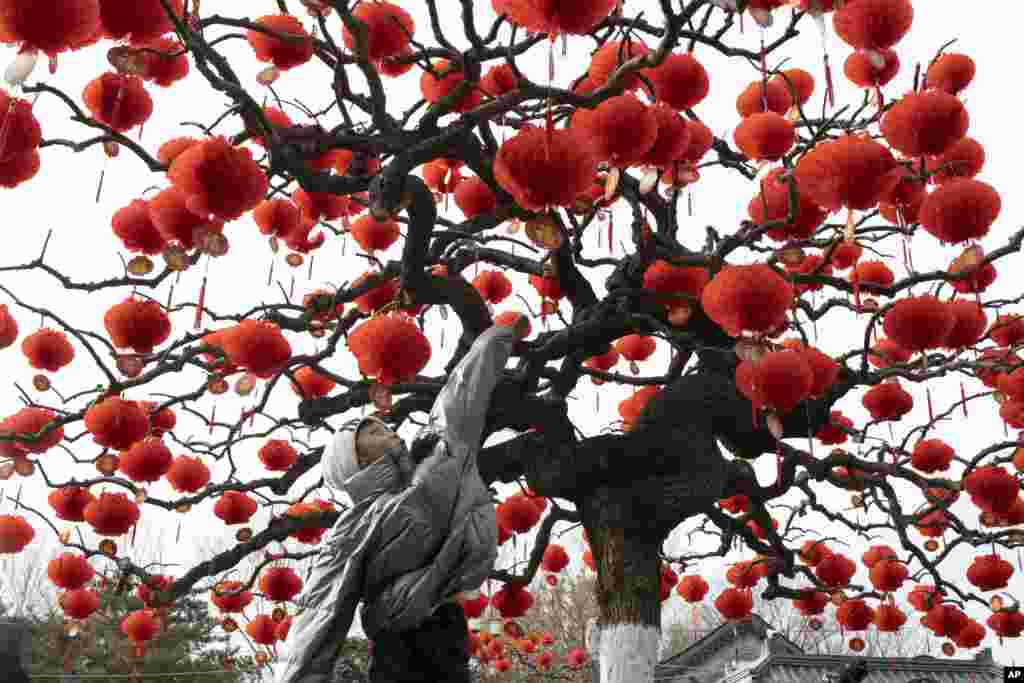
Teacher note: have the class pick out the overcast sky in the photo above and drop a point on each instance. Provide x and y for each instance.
(62, 199)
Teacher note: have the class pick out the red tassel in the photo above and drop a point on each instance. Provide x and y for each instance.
(610, 229)
(829, 91)
(963, 398)
(213, 414)
(928, 394)
(199, 306)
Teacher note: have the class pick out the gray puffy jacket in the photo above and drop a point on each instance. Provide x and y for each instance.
(406, 546)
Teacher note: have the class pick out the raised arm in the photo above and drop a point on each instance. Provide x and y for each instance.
(460, 410)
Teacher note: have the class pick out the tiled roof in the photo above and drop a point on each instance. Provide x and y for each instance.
(811, 669)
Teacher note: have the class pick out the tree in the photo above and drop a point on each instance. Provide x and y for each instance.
(734, 389)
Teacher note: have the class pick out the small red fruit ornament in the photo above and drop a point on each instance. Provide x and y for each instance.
(390, 348)
(111, 514)
(541, 169)
(752, 298)
(219, 179)
(188, 474)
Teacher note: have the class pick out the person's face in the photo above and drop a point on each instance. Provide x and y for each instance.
(374, 441)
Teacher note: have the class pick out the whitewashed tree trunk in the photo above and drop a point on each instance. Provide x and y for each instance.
(628, 653)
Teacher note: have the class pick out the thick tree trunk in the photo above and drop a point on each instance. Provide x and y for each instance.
(628, 586)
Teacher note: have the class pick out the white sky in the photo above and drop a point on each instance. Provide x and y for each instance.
(61, 198)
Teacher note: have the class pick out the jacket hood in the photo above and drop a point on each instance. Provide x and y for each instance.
(341, 468)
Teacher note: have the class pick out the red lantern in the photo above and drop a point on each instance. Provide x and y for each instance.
(667, 279)
(887, 401)
(516, 513)
(801, 81)
(499, 80)
(133, 226)
(923, 597)
(48, 349)
(277, 455)
(924, 123)
(311, 384)
(876, 554)
(111, 514)
(610, 56)
(435, 89)
(390, 347)
(888, 575)
(950, 73)
(512, 601)
(963, 159)
(116, 423)
(1007, 330)
(873, 24)
(932, 455)
(234, 507)
(969, 326)
(680, 81)
(970, 636)
(119, 101)
(28, 421)
(474, 197)
(376, 297)
(734, 604)
(835, 570)
(258, 346)
(15, 533)
(743, 574)
(632, 407)
(889, 618)
(779, 380)
(850, 171)
(765, 136)
(672, 141)
(219, 179)
(812, 603)
(138, 22)
(1007, 624)
(493, 286)
(147, 592)
(692, 588)
(755, 96)
(989, 572)
(226, 598)
(545, 168)
(373, 235)
(140, 626)
(69, 502)
(164, 62)
(52, 26)
(772, 204)
(945, 621)
(555, 558)
(749, 297)
(146, 461)
(831, 434)
(862, 68)
(308, 535)
(280, 583)
(80, 604)
(70, 571)
(188, 475)
(577, 17)
(854, 615)
(919, 323)
(8, 327)
(622, 129)
(283, 54)
(176, 223)
(389, 29)
(262, 629)
(960, 210)
(992, 488)
(886, 352)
